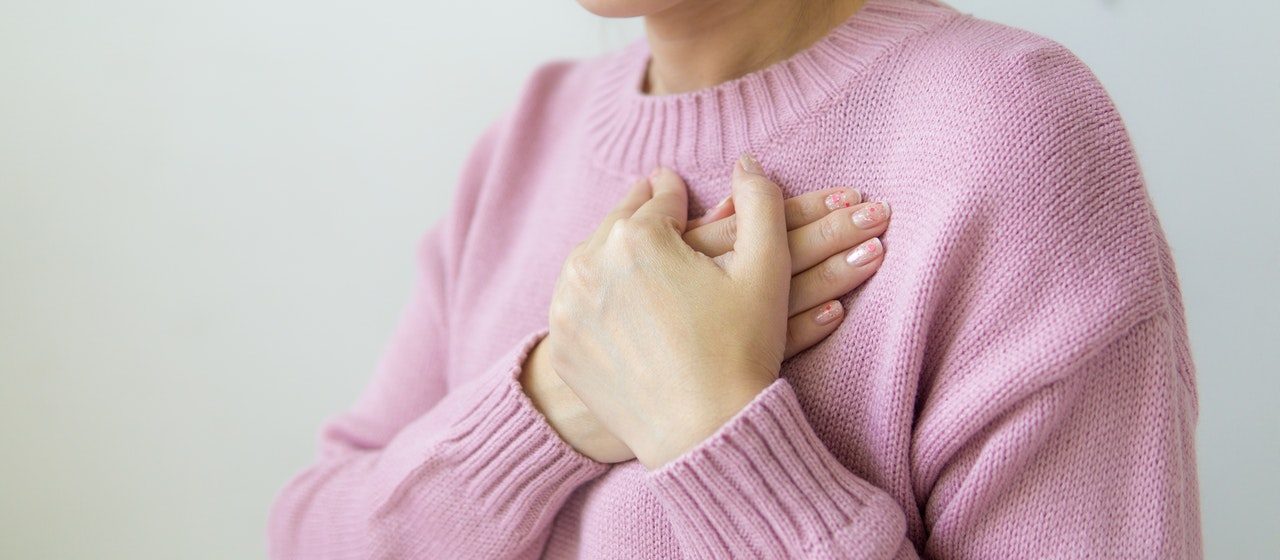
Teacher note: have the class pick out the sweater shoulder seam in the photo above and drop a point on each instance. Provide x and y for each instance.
(948, 442)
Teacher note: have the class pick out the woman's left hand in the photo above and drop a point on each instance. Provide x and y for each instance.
(661, 342)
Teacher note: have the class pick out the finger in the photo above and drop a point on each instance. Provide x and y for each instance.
(714, 233)
(761, 241)
(810, 207)
(835, 276)
(713, 239)
(670, 198)
(809, 328)
(838, 231)
(636, 196)
(720, 211)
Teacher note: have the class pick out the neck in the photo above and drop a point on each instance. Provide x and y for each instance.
(701, 43)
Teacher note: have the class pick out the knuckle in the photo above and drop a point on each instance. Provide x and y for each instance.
(639, 232)
(558, 315)
(630, 230)
(622, 227)
(828, 232)
(810, 213)
(757, 182)
(728, 235)
(829, 272)
(762, 187)
(578, 268)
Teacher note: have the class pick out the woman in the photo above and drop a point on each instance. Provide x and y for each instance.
(583, 371)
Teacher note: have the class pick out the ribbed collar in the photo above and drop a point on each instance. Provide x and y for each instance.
(631, 132)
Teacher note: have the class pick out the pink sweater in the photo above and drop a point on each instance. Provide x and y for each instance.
(1015, 381)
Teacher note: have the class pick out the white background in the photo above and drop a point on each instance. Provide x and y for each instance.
(208, 213)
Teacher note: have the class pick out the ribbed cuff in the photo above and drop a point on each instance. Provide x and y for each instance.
(482, 475)
(764, 485)
(516, 460)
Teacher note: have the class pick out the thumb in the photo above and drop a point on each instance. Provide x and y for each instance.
(761, 244)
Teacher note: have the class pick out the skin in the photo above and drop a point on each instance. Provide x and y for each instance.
(662, 329)
(701, 43)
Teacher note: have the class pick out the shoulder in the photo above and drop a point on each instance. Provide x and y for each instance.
(1003, 104)
(543, 115)
(1028, 122)
(547, 104)
(553, 94)
(1017, 94)
(1025, 125)
(1033, 187)
(972, 50)
(1032, 225)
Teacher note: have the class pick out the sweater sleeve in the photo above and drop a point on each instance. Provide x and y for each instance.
(1099, 464)
(1054, 408)
(418, 469)
(765, 486)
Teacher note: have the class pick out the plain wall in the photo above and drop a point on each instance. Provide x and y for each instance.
(208, 212)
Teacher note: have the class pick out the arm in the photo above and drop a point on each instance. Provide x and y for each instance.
(418, 469)
(765, 486)
(1058, 411)
(1098, 464)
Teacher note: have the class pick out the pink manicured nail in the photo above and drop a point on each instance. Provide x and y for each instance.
(840, 199)
(866, 252)
(750, 165)
(871, 215)
(829, 312)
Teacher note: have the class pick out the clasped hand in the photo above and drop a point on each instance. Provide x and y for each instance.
(657, 338)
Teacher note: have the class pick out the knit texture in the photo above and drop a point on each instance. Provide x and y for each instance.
(1014, 382)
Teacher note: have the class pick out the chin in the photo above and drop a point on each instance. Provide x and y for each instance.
(627, 8)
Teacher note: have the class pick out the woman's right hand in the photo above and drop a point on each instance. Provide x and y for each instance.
(827, 231)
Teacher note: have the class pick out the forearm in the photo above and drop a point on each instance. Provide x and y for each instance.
(766, 483)
(481, 475)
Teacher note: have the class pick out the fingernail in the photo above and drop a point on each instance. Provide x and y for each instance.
(842, 199)
(829, 313)
(654, 174)
(865, 252)
(718, 205)
(750, 165)
(871, 215)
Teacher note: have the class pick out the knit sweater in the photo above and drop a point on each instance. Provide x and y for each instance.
(1014, 382)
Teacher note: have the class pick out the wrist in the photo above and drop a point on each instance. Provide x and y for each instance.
(688, 426)
(549, 394)
(567, 415)
(533, 376)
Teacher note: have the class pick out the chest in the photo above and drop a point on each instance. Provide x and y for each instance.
(523, 229)
(859, 387)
